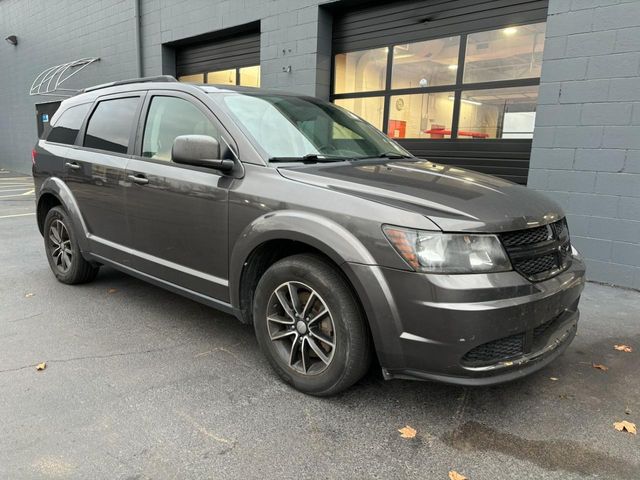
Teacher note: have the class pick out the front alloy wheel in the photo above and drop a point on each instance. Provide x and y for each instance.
(301, 326)
(310, 326)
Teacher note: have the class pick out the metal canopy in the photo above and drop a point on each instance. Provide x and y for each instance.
(49, 81)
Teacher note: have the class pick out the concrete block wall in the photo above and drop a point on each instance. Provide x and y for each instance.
(52, 33)
(586, 145)
(293, 33)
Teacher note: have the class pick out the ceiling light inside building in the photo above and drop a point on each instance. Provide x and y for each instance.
(510, 31)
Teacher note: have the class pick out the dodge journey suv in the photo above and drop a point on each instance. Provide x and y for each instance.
(300, 218)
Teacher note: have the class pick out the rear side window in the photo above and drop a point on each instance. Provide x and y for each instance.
(110, 125)
(68, 124)
(168, 118)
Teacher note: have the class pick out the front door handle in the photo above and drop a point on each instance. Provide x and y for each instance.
(72, 165)
(139, 179)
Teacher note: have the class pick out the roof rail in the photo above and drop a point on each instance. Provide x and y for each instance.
(160, 78)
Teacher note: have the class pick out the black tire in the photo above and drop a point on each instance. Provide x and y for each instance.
(67, 264)
(351, 354)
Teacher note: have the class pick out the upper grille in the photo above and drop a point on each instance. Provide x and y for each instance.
(526, 237)
(541, 252)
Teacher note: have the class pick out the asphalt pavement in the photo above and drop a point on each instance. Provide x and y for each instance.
(142, 383)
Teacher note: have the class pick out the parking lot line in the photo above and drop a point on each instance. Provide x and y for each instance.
(18, 215)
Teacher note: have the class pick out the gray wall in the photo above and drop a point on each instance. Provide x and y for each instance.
(293, 33)
(587, 143)
(586, 146)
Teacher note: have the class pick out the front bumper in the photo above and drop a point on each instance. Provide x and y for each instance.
(478, 329)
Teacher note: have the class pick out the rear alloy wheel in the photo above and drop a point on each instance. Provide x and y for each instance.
(310, 326)
(63, 252)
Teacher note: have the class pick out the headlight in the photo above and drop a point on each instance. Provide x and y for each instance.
(435, 252)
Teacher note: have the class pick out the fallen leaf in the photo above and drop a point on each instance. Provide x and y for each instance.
(624, 425)
(599, 366)
(554, 379)
(453, 475)
(623, 348)
(41, 366)
(29, 295)
(112, 290)
(627, 411)
(407, 432)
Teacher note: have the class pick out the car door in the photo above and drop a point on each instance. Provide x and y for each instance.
(178, 213)
(95, 172)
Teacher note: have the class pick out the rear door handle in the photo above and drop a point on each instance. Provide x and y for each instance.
(139, 179)
(72, 165)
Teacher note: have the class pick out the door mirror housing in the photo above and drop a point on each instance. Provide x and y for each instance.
(199, 150)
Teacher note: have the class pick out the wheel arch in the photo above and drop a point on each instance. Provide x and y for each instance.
(281, 234)
(54, 192)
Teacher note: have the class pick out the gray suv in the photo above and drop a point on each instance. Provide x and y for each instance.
(300, 218)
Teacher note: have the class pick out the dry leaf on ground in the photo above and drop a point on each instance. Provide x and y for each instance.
(624, 425)
(554, 379)
(623, 348)
(112, 290)
(453, 475)
(29, 295)
(407, 432)
(599, 366)
(41, 366)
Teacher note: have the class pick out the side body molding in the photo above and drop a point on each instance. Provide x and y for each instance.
(59, 189)
(327, 236)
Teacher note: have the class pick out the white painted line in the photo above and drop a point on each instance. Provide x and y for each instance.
(16, 195)
(18, 215)
(30, 192)
(14, 190)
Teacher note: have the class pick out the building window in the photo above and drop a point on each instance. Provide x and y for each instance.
(481, 85)
(245, 76)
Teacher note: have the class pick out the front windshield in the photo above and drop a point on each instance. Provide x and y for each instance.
(296, 127)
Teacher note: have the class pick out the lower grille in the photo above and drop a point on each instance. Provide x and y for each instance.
(498, 350)
(512, 346)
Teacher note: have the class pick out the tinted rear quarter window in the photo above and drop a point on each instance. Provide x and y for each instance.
(110, 125)
(68, 124)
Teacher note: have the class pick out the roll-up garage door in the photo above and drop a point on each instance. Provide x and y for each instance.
(241, 50)
(454, 81)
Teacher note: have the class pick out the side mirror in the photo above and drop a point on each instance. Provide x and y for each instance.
(199, 150)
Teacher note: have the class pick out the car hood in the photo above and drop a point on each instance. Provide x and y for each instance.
(455, 199)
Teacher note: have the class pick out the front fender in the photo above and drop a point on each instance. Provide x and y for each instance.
(344, 248)
(325, 235)
(56, 187)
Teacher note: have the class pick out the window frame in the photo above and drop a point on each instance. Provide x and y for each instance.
(139, 94)
(457, 88)
(196, 102)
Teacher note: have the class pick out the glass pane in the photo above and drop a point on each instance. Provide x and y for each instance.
(195, 78)
(505, 54)
(288, 127)
(110, 125)
(498, 113)
(421, 116)
(222, 77)
(370, 109)
(425, 64)
(250, 76)
(67, 126)
(362, 71)
(168, 118)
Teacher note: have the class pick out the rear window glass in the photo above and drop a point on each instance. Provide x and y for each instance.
(110, 125)
(68, 124)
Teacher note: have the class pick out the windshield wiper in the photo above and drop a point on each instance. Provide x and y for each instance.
(311, 157)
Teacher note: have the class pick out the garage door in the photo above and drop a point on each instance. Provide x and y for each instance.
(232, 60)
(454, 81)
